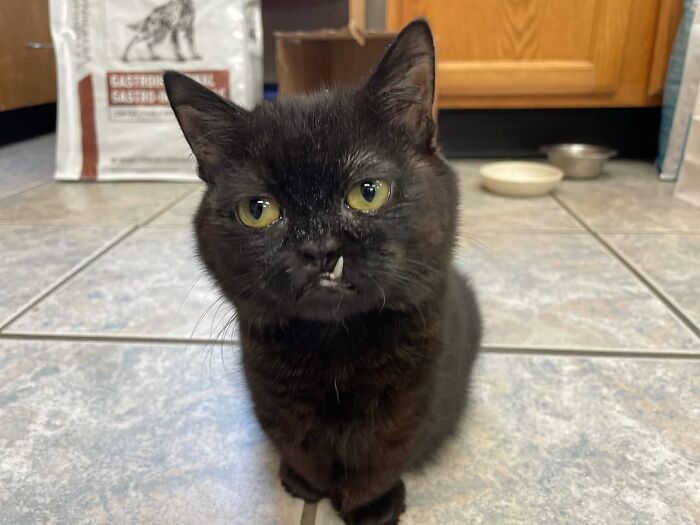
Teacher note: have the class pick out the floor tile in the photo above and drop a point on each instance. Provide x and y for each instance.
(149, 285)
(182, 213)
(34, 257)
(90, 203)
(670, 262)
(629, 197)
(567, 440)
(27, 163)
(104, 433)
(564, 290)
(484, 211)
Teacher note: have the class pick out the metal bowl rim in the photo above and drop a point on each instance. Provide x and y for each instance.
(593, 151)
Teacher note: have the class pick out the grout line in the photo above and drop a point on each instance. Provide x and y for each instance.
(486, 349)
(88, 261)
(570, 231)
(652, 282)
(111, 338)
(95, 224)
(590, 352)
(680, 315)
(143, 222)
(166, 207)
(23, 189)
(308, 514)
(623, 231)
(65, 277)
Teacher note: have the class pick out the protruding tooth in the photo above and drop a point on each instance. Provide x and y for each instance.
(337, 272)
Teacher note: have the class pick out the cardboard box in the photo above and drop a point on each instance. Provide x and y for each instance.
(311, 60)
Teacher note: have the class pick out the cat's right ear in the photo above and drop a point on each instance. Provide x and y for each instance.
(207, 120)
(402, 88)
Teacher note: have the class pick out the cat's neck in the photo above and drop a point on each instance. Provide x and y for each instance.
(356, 331)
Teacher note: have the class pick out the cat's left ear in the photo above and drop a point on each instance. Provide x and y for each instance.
(403, 86)
(207, 120)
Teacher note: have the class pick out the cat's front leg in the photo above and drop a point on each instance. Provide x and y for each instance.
(297, 486)
(384, 509)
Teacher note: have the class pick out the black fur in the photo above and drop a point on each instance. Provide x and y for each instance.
(354, 385)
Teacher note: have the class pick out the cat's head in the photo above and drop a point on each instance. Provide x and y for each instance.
(326, 205)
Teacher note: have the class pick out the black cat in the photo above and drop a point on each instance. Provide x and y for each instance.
(329, 222)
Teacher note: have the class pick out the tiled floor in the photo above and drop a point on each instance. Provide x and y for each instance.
(122, 401)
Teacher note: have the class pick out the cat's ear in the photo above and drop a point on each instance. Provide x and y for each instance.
(403, 85)
(206, 119)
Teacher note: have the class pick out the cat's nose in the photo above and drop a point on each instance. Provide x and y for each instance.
(323, 254)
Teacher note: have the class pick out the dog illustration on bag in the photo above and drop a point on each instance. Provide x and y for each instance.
(172, 18)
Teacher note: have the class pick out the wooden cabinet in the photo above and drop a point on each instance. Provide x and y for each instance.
(27, 70)
(546, 53)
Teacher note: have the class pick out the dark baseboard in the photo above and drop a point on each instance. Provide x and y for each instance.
(24, 123)
(489, 133)
(519, 133)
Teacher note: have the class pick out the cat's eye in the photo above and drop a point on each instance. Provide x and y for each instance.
(369, 195)
(258, 212)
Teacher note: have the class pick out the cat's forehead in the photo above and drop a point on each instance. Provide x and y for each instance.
(320, 137)
(322, 118)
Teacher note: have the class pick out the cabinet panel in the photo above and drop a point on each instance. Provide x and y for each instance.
(28, 74)
(670, 13)
(523, 47)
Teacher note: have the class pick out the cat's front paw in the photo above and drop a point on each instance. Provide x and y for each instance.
(297, 486)
(384, 510)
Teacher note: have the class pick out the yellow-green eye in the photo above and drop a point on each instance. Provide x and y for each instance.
(369, 195)
(258, 212)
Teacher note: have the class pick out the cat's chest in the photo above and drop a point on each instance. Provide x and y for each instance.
(337, 379)
(351, 388)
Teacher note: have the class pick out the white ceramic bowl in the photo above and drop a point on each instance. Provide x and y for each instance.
(520, 179)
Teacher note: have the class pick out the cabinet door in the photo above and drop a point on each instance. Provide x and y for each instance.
(523, 47)
(27, 70)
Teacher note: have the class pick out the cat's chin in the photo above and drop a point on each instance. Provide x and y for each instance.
(329, 300)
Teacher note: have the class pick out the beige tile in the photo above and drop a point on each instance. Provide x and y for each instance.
(27, 163)
(669, 261)
(105, 433)
(183, 212)
(90, 203)
(564, 290)
(35, 257)
(484, 211)
(567, 440)
(629, 197)
(149, 285)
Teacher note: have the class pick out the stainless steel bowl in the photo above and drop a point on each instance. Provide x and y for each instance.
(579, 161)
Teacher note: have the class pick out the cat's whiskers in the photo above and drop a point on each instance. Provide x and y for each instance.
(381, 289)
(473, 239)
(189, 290)
(229, 318)
(201, 317)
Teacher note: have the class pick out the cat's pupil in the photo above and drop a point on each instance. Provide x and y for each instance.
(369, 190)
(256, 207)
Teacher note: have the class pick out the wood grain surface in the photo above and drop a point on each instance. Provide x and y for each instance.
(540, 53)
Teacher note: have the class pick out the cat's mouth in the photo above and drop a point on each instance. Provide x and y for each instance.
(334, 278)
(329, 282)
(334, 284)
(324, 296)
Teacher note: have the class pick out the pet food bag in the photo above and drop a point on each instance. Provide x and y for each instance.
(114, 121)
